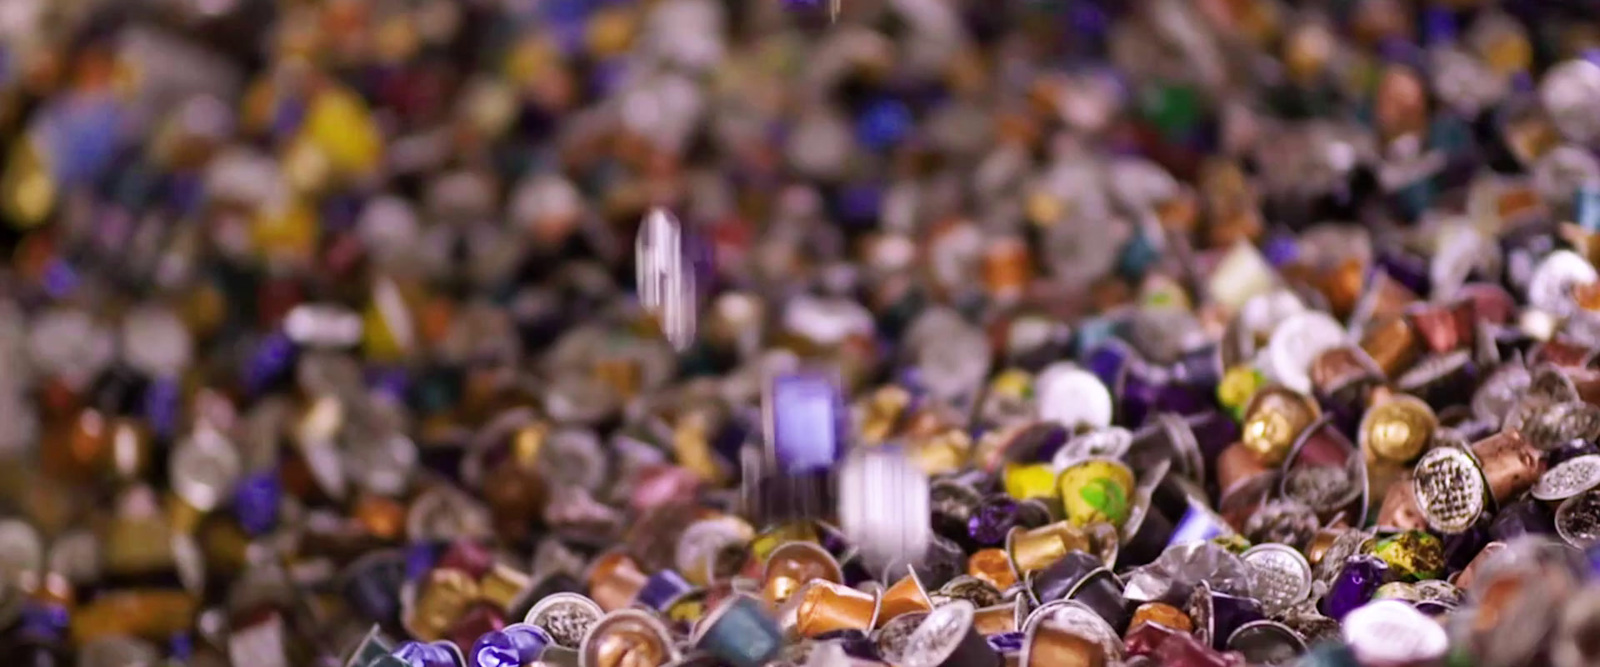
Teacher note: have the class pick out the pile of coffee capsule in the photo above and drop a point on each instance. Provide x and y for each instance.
(759, 333)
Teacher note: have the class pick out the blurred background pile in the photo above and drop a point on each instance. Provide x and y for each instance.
(317, 315)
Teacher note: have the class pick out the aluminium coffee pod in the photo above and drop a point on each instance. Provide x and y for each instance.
(1048, 644)
(1078, 618)
(1568, 479)
(739, 632)
(627, 637)
(892, 638)
(1450, 489)
(566, 617)
(1266, 643)
(1325, 472)
(946, 639)
(1282, 575)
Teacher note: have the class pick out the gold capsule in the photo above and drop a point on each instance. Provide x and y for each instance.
(1273, 420)
(446, 594)
(1397, 428)
(504, 586)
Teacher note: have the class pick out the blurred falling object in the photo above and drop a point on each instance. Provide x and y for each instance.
(666, 276)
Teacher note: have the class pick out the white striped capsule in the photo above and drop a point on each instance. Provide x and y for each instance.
(883, 506)
(666, 277)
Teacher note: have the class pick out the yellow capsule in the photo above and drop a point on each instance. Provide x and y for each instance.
(306, 167)
(389, 331)
(1097, 490)
(1024, 481)
(688, 611)
(769, 540)
(692, 446)
(285, 230)
(27, 189)
(340, 124)
(1012, 382)
(1237, 386)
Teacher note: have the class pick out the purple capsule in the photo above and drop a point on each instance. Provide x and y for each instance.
(418, 654)
(516, 645)
(1355, 585)
(993, 520)
(806, 422)
(255, 502)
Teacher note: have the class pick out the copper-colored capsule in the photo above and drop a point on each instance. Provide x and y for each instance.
(629, 638)
(149, 614)
(1273, 420)
(1400, 509)
(792, 565)
(1561, 353)
(76, 450)
(1163, 614)
(1445, 327)
(904, 597)
(1391, 343)
(1007, 268)
(516, 496)
(992, 566)
(614, 580)
(446, 595)
(504, 586)
(1509, 463)
(1050, 645)
(1340, 368)
(1237, 467)
(997, 619)
(384, 518)
(1402, 102)
(823, 606)
(1342, 286)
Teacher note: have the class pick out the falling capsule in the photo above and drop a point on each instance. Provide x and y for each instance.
(666, 276)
